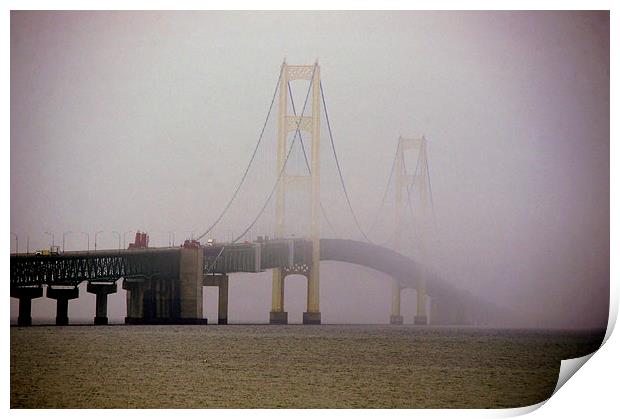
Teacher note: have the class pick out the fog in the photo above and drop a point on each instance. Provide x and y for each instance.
(146, 120)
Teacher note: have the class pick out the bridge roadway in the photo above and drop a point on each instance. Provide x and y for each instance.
(164, 285)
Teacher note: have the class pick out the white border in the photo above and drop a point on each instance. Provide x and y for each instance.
(592, 393)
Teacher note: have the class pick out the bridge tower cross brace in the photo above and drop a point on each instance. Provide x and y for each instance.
(405, 180)
(286, 124)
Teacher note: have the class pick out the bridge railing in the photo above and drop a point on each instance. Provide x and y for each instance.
(244, 257)
(73, 268)
(256, 257)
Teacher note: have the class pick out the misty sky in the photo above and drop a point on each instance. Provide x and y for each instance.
(126, 120)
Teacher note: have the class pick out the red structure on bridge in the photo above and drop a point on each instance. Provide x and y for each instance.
(140, 242)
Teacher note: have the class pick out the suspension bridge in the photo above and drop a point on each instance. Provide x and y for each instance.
(285, 210)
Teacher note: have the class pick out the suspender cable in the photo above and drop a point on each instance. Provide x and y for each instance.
(303, 149)
(344, 188)
(215, 261)
(415, 174)
(385, 192)
(275, 185)
(247, 169)
(430, 191)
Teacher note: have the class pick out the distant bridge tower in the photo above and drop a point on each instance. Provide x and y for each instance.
(405, 179)
(286, 124)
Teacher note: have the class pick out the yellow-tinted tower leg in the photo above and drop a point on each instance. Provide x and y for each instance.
(395, 317)
(277, 314)
(421, 318)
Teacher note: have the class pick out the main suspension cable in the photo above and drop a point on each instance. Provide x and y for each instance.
(281, 172)
(344, 188)
(247, 169)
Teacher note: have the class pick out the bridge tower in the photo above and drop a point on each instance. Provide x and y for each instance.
(286, 124)
(406, 179)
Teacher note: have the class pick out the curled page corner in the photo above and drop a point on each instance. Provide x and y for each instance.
(519, 411)
(568, 367)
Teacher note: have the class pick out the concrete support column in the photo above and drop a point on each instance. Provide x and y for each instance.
(420, 318)
(448, 312)
(222, 301)
(435, 317)
(163, 298)
(277, 315)
(101, 291)
(395, 317)
(157, 301)
(62, 297)
(25, 296)
(460, 314)
(157, 298)
(135, 300)
(149, 301)
(191, 277)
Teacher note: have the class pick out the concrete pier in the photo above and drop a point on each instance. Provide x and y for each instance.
(101, 291)
(311, 318)
(135, 300)
(420, 320)
(62, 297)
(149, 301)
(172, 299)
(190, 286)
(278, 317)
(163, 293)
(161, 301)
(25, 296)
(157, 301)
(448, 312)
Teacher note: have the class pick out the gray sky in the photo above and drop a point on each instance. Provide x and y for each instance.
(146, 120)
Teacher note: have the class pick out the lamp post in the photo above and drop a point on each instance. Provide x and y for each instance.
(169, 234)
(96, 234)
(124, 238)
(52, 235)
(63, 239)
(87, 240)
(16, 242)
(119, 239)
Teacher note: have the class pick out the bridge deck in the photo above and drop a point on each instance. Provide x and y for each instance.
(111, 264)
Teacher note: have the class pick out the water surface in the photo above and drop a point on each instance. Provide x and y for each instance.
(243, 366)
